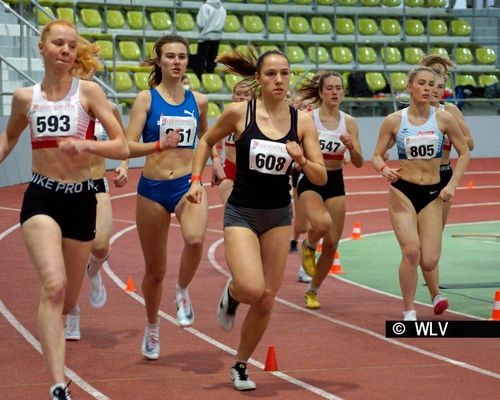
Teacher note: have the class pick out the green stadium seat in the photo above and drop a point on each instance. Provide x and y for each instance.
(463, 55)
(224, 48)
(231, 80)
(135, 20)
(462, 80)
(485, 56)
(107, 49)
(194, 82)
(268, 47)
(243, 48)
(193, 48)
(114, 19)
(399, 81)
(212, 83)
(257, 1)
(318, 55)
(344, 26)
(391, 3)
(437, 27)
(415, 3)
(413, 55)
(366, 55)
(66, 13)
(345, 80)
(42, 18)
(436, 3)
(184, 22)
(342, 55)
(439, 51)
(252, 24)
(414, 27)
(390, 55)
(232, 24)
(347, 3)
(390, 26)
(367, 26)
(298, 25)
(375, 81)
(460, 27)
(279, 1)
(321, 25)
(213, 110)
(149, 49)
(129, 50)
(295, 54)
(370, 3)
(91, 18)
(485, 80)
(304, 2)
(325, 2)
(160, 21)
(141, 80)
(236, 1)
(123, 81)
(276, 24)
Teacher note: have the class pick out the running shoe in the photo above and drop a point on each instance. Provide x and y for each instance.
(440, 304)
(185, 314)
(410, 315)
(293, 246)
(311, 300)
(308, 259)
(97, 291)
(226, 312)
(239, 376)
(151, 343)
(60, 392)
(72, 328)
(302, 276)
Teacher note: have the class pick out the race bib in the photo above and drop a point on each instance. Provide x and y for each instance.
(423, 147)
(99, 133)
(330, 143)
(185, 125)
(269, 157)
(230, 140)
(55, 120)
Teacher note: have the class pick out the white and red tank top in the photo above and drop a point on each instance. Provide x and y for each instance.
(331, 146)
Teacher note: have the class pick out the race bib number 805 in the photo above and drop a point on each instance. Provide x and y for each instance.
(185, 125)
(269, 157)
(422, 147)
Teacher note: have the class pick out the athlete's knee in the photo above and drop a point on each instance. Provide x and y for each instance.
(154, 275)
(53, 290)
(322, 224)
(194, 240)
(429, 263)
(100, 249)
(247, 293)
(266, 302)
(411, 253)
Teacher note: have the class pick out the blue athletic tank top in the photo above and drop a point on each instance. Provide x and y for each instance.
(422, 142)
(262, 166)
(164, 118)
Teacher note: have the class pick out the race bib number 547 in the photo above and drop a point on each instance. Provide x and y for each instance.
(269, 157)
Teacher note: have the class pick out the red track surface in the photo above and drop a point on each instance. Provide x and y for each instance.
(337, 352)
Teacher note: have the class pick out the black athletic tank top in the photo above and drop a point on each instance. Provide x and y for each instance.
(262, 165)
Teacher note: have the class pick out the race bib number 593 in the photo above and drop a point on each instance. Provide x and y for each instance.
(269, 157)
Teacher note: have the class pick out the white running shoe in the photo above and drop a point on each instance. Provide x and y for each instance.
(410, 315)
(185, 313)
(151, 343)
(97, 291)
(302, 276)
(72, 328)
(239, 376)
(60, 391)
(226, 312)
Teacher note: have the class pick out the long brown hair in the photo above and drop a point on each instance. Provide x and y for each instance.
(310, 89)
(155, 76)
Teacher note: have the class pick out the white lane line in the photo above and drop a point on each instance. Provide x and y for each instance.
(200, 335)
(356, 177)
(77, 379)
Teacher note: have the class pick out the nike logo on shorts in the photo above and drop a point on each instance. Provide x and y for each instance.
(435, 191)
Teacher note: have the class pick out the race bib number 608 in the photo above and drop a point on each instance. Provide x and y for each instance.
(269, 157)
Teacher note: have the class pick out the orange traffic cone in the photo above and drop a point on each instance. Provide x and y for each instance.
(336, 267)
(356, 231)
(130, 285)
(470, 185)
(319, 247)
(495, 316)
(271, 363)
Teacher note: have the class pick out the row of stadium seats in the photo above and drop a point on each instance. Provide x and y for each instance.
(350, 3)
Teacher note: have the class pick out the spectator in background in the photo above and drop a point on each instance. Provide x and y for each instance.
(210, 20)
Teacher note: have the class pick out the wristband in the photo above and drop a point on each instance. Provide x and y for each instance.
(158, 146)
(381, 170)
(350, 147)
(195, 178)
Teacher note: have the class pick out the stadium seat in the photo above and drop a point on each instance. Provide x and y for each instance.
(298, 25)
(184, 22)
(318, 55)
(114, 19)
(268, 47)
(414, 27)
(257, 1)
(390, 26)
(304, 2)
(436, 3)
(213, 110)
(224, 48)
(160, 21)
(391, 3)
(485, 56)
(342, 55)
(370, 3)
(344, 26)
(437, 27)
(212, 83)
(106, 49)
(460, 27)
(462, 80)
(279, 1)
(375, 81)
(91, 18)
(252, 24)
(295, 54)
(439, 51)
(193, 48)
(366, 55)
(415, 3)
(485, 80)
(232, 24)
(398, 81)
(236, 1)
(129, 50)
(194, 82)
(347, 3)
(367, 26)
(243, 48)
(149, 49)
(123, 81)
(463, 55)
(390, 55)
(321, 25)
(413, 55)
(135, 20)
(276, 24)
(325, 2)
(231, 80)
(66, 13)
(141, 80)
(42, 18)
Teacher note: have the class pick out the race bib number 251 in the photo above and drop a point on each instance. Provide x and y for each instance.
(185, 125)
